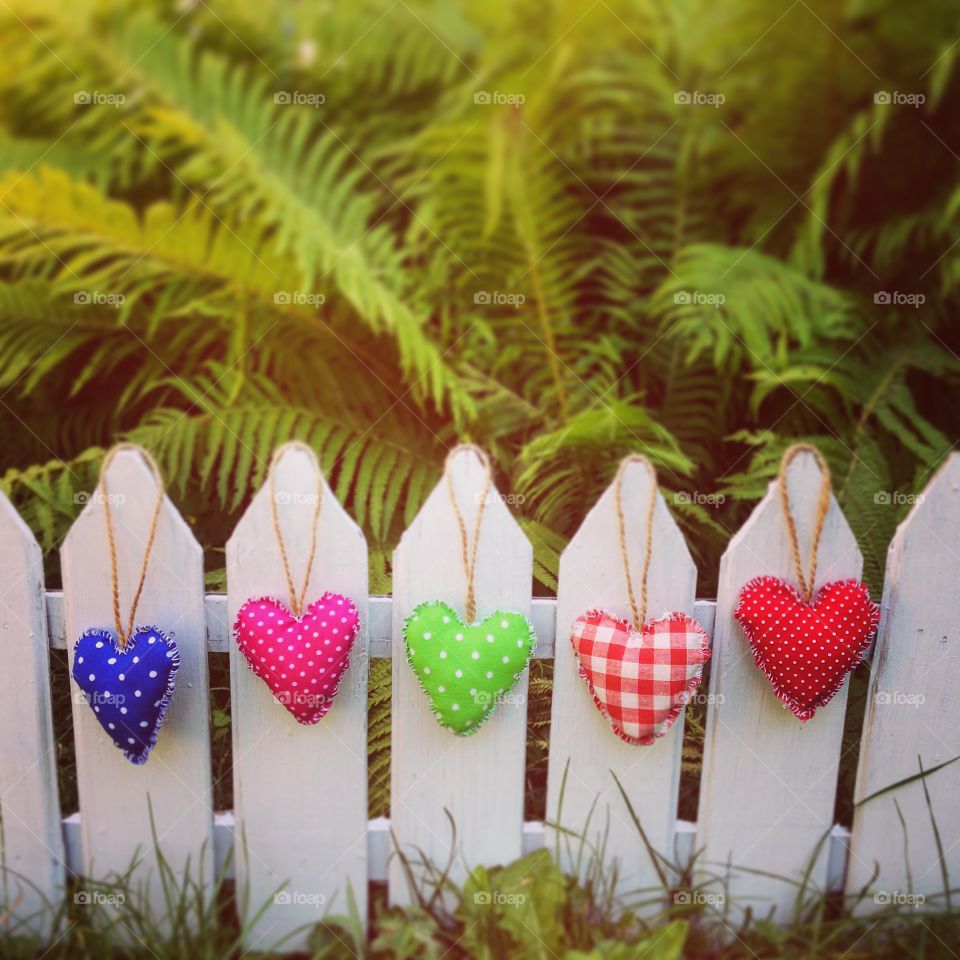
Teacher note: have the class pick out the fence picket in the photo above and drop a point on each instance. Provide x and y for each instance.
(584, 750)
(300, 792)
(478, 779)
(31, 841)
(912, 711)
(126, 808)
(768, 784)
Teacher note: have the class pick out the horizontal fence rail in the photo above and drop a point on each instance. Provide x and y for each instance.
(380, 647)
(768, 783)
(379, 624)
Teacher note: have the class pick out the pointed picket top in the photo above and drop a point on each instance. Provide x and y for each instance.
(32, 873)
(300, 792)
(911, 715)
(769, 781)
(584, 748)
(478, 779)
(170, 797)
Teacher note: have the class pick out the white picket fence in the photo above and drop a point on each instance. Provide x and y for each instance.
(299, 825)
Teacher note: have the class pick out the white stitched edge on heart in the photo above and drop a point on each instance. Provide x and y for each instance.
(801, 712)
(513, 682)
(255, 667)
(105, 634)
(692, 683)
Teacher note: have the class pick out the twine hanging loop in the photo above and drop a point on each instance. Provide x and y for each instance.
(296, 597)
(469, 551)
(639, 615)
(124, 632)
(823, 505)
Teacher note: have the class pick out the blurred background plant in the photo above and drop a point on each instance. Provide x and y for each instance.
(565, 230)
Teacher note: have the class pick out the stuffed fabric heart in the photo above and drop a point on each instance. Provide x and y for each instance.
(301, 659)
(465, 671)
(130, 689)
(640, 680)
(807, 649)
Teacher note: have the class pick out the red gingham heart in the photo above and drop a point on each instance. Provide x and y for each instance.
(807, 649)
(301, 659)
(640, 681)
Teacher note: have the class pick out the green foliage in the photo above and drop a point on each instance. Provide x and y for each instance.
(378, 737)
(532, 909)
(527, 909)
(522, 902)
(694, 281)
(192, 263)
(665, 944)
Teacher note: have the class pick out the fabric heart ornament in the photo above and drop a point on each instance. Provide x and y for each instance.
(301, 659)
(806, 649)
(128, 689)
(465, 671)
(640, 680)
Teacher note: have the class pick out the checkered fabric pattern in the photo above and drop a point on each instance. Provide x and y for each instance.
(640, 681)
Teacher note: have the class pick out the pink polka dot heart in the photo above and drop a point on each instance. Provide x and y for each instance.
(301, 659)
(806, 649)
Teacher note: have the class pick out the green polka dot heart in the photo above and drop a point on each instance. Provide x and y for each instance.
(465, 671)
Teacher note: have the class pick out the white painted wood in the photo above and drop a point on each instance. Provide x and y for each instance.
(300, 792)
(73, 844)
(117, 797)
(56, 628)
(912, 709)
(378, 845)
(224, 825)
(585, 752)
(534, 836)
(218, 623)
(684, 843)
(542, 615)
(380, 627)
(837, 858)
(31, 844)
(479, 779)
(769, 781)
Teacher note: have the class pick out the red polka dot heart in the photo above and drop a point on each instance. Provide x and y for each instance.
(301, 659)
(806, 649)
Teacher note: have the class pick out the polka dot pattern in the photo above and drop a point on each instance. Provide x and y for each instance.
(301, 659)
(806, 649)
(128, 690)
(466, 671)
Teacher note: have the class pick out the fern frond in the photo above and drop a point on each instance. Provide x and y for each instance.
(233, 443)
(49, 496)
(730, 304)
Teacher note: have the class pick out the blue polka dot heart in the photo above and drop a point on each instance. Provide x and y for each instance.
(128, 690)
